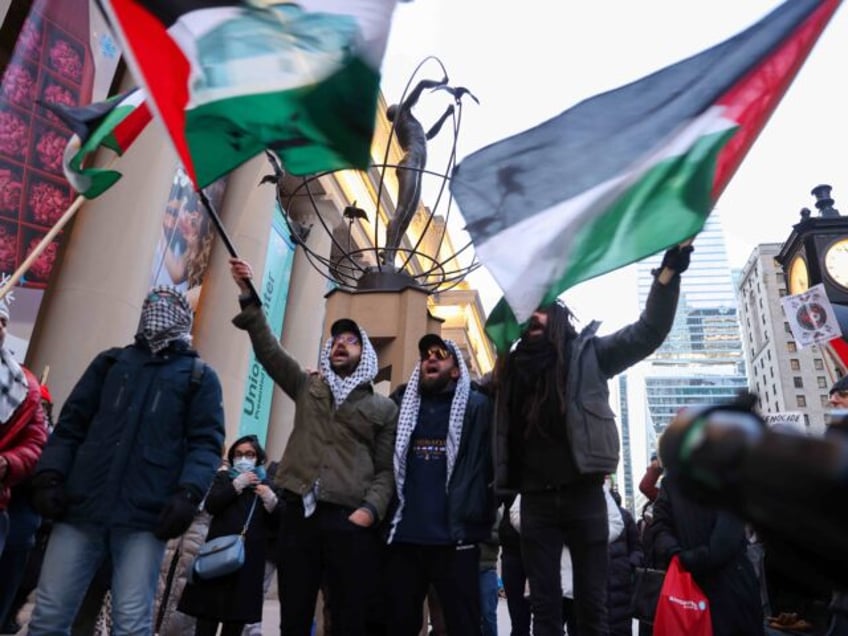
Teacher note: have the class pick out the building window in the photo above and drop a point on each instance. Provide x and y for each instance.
(798, 381)
(800, 400)
(825, 401)
(791, 348)
(794, 364)
(818, 364)
(821, 382)
(768, 353)
(781, 292)
(787, 328)
(780, 278)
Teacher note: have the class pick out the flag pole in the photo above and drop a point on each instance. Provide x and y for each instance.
(228, 243)
(42, 245)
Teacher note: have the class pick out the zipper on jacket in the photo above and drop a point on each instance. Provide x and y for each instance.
(156, 400)
(120, 393)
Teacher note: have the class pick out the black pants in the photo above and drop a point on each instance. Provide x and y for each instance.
(324, 548)
(575, 516)
(514, 579)
(454, 572)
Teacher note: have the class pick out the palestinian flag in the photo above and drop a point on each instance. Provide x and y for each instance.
(113, 124)
(230, 79)
(626, 173)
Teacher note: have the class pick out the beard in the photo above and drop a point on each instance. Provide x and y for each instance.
(433, 385)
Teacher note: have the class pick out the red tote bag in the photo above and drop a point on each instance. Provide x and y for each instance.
(682, 608)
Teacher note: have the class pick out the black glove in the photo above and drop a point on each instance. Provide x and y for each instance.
(48, 494)
(177, 514)
(676, 258)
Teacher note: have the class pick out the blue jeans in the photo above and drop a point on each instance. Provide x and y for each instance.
(489, 601)
(4, 528)
(74, 554)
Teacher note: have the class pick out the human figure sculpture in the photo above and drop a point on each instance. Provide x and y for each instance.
(413, 141)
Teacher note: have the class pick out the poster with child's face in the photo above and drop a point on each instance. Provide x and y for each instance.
(185, 243)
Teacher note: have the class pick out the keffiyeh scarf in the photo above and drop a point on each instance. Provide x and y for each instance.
(408, 419)
(165, 316)
(13, 385)
(365, 371)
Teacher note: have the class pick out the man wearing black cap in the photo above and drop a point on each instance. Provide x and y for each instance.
(336, 472)
(443, 471)
(839, 393)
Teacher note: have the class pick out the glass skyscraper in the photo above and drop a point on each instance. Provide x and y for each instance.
(701, 361)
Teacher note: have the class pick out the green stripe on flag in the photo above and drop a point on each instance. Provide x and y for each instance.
(669, 204)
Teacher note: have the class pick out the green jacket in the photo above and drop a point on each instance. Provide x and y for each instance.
(349, 449)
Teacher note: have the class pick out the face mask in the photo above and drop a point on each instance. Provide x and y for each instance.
(244, 464)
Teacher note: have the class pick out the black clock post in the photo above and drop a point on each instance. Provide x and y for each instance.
(817, 252)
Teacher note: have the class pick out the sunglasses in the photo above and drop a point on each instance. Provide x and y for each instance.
(155, 297)
(346, 338)
(440, 353)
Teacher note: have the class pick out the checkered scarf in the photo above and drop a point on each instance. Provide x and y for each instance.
(13, 385)
(166, 316)
(408, 419)
(365, 371)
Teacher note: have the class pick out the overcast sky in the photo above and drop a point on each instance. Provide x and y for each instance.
(529, 61)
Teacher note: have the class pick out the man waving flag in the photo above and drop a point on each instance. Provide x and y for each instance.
(626, 173)
(230, 79)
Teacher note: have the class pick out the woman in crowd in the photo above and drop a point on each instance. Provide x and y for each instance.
(236, 599)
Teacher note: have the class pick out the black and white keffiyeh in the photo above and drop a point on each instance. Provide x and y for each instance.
(13, 385)
(408, 419)
(165, 316)
(365, 371)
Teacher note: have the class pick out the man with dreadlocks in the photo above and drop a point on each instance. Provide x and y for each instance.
(137, 444)
(556, 439)
(336, 472)
(443, 472)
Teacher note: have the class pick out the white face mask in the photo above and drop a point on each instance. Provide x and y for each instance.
(244, 464)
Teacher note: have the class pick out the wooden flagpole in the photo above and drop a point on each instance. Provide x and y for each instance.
(42, 245)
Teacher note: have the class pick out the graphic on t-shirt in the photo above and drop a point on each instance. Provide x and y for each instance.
(429, 449)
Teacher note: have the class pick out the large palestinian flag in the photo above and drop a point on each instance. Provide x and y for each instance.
(114, 124)
(629, 172)
(230, 78)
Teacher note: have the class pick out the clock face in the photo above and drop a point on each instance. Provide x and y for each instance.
(799, 278)
(836, 262)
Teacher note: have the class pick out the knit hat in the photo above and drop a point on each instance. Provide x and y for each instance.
(840, 385)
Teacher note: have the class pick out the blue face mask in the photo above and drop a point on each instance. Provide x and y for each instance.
(244, 464)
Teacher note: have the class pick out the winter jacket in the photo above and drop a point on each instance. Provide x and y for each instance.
(589, 420)
(22, 439)
(348, 449)
(471, 501)
(237, 597)
(625, 554)
(712, 546)
(134, 429)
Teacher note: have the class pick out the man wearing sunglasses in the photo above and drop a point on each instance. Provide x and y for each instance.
(336, 472)
(136, 445)
(443, 472)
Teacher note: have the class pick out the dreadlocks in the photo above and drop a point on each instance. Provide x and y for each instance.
(532, 376)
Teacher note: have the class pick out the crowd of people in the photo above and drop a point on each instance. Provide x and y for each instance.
(381, 506)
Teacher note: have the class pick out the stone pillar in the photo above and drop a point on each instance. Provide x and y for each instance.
(246, 214)
(394, 322)
(94, 300)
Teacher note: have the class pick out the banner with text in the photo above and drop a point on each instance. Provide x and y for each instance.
(274, 291)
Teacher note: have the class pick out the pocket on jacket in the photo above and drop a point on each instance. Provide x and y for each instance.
(89, 471)
(156, 479)
(601, 432)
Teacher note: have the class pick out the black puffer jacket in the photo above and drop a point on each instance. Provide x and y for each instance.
(625, 554)
(712, 546)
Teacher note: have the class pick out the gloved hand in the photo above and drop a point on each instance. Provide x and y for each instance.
(48, 494)
(177, 514)
(244, 480)
(677, 258)
(268, 497)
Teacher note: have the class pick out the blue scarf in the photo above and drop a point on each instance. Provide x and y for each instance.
(259, 471)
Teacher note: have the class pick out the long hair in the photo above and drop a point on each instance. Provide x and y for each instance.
(550, 385)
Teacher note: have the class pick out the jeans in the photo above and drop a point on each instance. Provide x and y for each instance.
(514, 580)
(4, 528)
(453, 571)
(489, 601)
(575, 515)
(23, 523)
(74, 554)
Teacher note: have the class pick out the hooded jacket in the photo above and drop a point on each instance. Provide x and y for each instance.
(347, 450)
